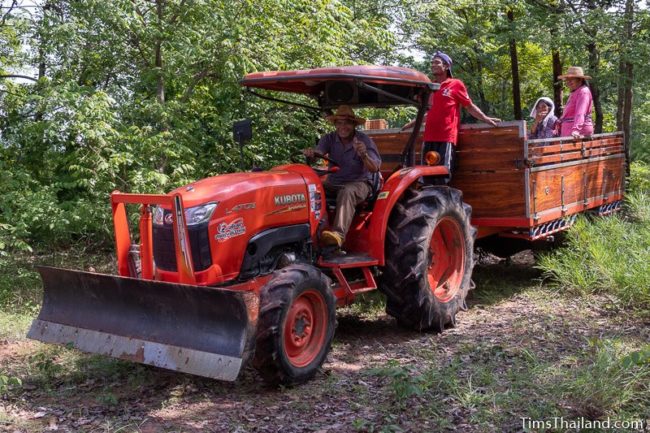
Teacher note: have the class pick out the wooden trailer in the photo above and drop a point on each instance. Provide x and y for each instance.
(525, 189)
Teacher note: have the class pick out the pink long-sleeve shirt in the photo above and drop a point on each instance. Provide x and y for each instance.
(577, 113)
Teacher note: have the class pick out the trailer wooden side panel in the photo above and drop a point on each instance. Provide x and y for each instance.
(564, 189)
(515, 183)
(490, 170)
(494, 194)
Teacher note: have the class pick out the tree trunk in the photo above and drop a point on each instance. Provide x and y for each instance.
(514, 65)
(627, 110)
(594, 61)
(557, 84)
(160, 91)
(47, 7)
(595, 90)
(626, 79)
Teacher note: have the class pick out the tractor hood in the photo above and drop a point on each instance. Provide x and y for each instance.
(226, 215)
(228, 187)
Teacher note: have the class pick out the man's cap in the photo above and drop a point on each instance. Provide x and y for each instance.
(445, 58)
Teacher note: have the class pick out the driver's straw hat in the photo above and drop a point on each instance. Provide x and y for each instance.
(346, 113)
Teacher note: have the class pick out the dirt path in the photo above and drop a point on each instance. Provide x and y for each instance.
(464, 379)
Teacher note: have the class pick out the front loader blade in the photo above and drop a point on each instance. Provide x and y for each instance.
(194, 329)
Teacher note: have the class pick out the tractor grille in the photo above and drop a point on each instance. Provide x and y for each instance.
(163, 247)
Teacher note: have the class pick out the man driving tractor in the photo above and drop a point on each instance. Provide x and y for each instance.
(357, 157)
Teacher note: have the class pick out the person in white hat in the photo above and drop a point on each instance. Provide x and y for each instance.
(358, 158)
(543, 119)
(576, 118)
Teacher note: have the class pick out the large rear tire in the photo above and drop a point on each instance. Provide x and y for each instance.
(296, 325)
(429, 258)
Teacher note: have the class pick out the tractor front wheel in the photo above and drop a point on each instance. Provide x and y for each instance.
(296, 325)
(429, 258)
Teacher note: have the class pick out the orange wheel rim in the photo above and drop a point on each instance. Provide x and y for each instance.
(447, 265)
(305, 328)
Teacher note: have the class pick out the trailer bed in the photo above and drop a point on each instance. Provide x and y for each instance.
(524, 188)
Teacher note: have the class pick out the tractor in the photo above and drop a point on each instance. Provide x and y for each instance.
(228, 271)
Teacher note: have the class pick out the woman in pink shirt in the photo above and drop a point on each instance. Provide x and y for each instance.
(576, 118)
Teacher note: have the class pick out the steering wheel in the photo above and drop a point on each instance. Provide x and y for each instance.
(309, 161)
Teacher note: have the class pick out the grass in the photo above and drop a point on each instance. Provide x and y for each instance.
(602, 384)
(608, 255)
(14, 326)
(496, 394)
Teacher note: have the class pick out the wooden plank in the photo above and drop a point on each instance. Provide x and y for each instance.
(494, 161)
(570, 156)
(540, 149)
(570, 209)
(547, 141)
(582, 183)
(487, 138)
(470, 139)
(494, 195)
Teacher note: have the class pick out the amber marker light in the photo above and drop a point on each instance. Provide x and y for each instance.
(432, 157)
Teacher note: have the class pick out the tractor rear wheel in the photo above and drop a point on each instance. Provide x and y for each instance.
(296, 325)
(429, 258)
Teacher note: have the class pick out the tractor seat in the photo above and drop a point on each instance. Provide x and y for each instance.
(377, 182)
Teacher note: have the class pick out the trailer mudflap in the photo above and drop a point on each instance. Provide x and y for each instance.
(199, 330)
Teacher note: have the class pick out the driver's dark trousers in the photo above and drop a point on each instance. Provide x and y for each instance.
(348, 197)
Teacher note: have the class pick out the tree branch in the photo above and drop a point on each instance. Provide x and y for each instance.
(3, 20)
(26, 77)
(174, 17)
(195, 80)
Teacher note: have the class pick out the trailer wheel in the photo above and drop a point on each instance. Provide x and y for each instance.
(429, 258)
(296, 325)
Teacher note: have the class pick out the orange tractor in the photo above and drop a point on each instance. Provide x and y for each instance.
(228, 270)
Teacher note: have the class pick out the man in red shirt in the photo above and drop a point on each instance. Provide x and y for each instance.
(443, 117)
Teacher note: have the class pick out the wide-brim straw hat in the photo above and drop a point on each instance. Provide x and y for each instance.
(345, 112)
(574, 72)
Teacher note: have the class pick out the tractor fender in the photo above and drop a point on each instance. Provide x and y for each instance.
(391, 192)
(260, 245)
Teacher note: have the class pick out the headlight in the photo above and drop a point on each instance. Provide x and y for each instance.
(193, 215)
(199, 214)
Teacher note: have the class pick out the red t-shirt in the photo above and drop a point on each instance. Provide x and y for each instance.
(443, 118)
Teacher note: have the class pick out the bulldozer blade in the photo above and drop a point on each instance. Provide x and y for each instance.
(199, 330)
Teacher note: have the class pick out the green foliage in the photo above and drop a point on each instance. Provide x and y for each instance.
(14, 326)
(142, 99)
(107, 398)
(8, 382)
(45, 366)
(639, 178)
(490, 384)
(403, 381)
(639, 358)
(19, 286)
